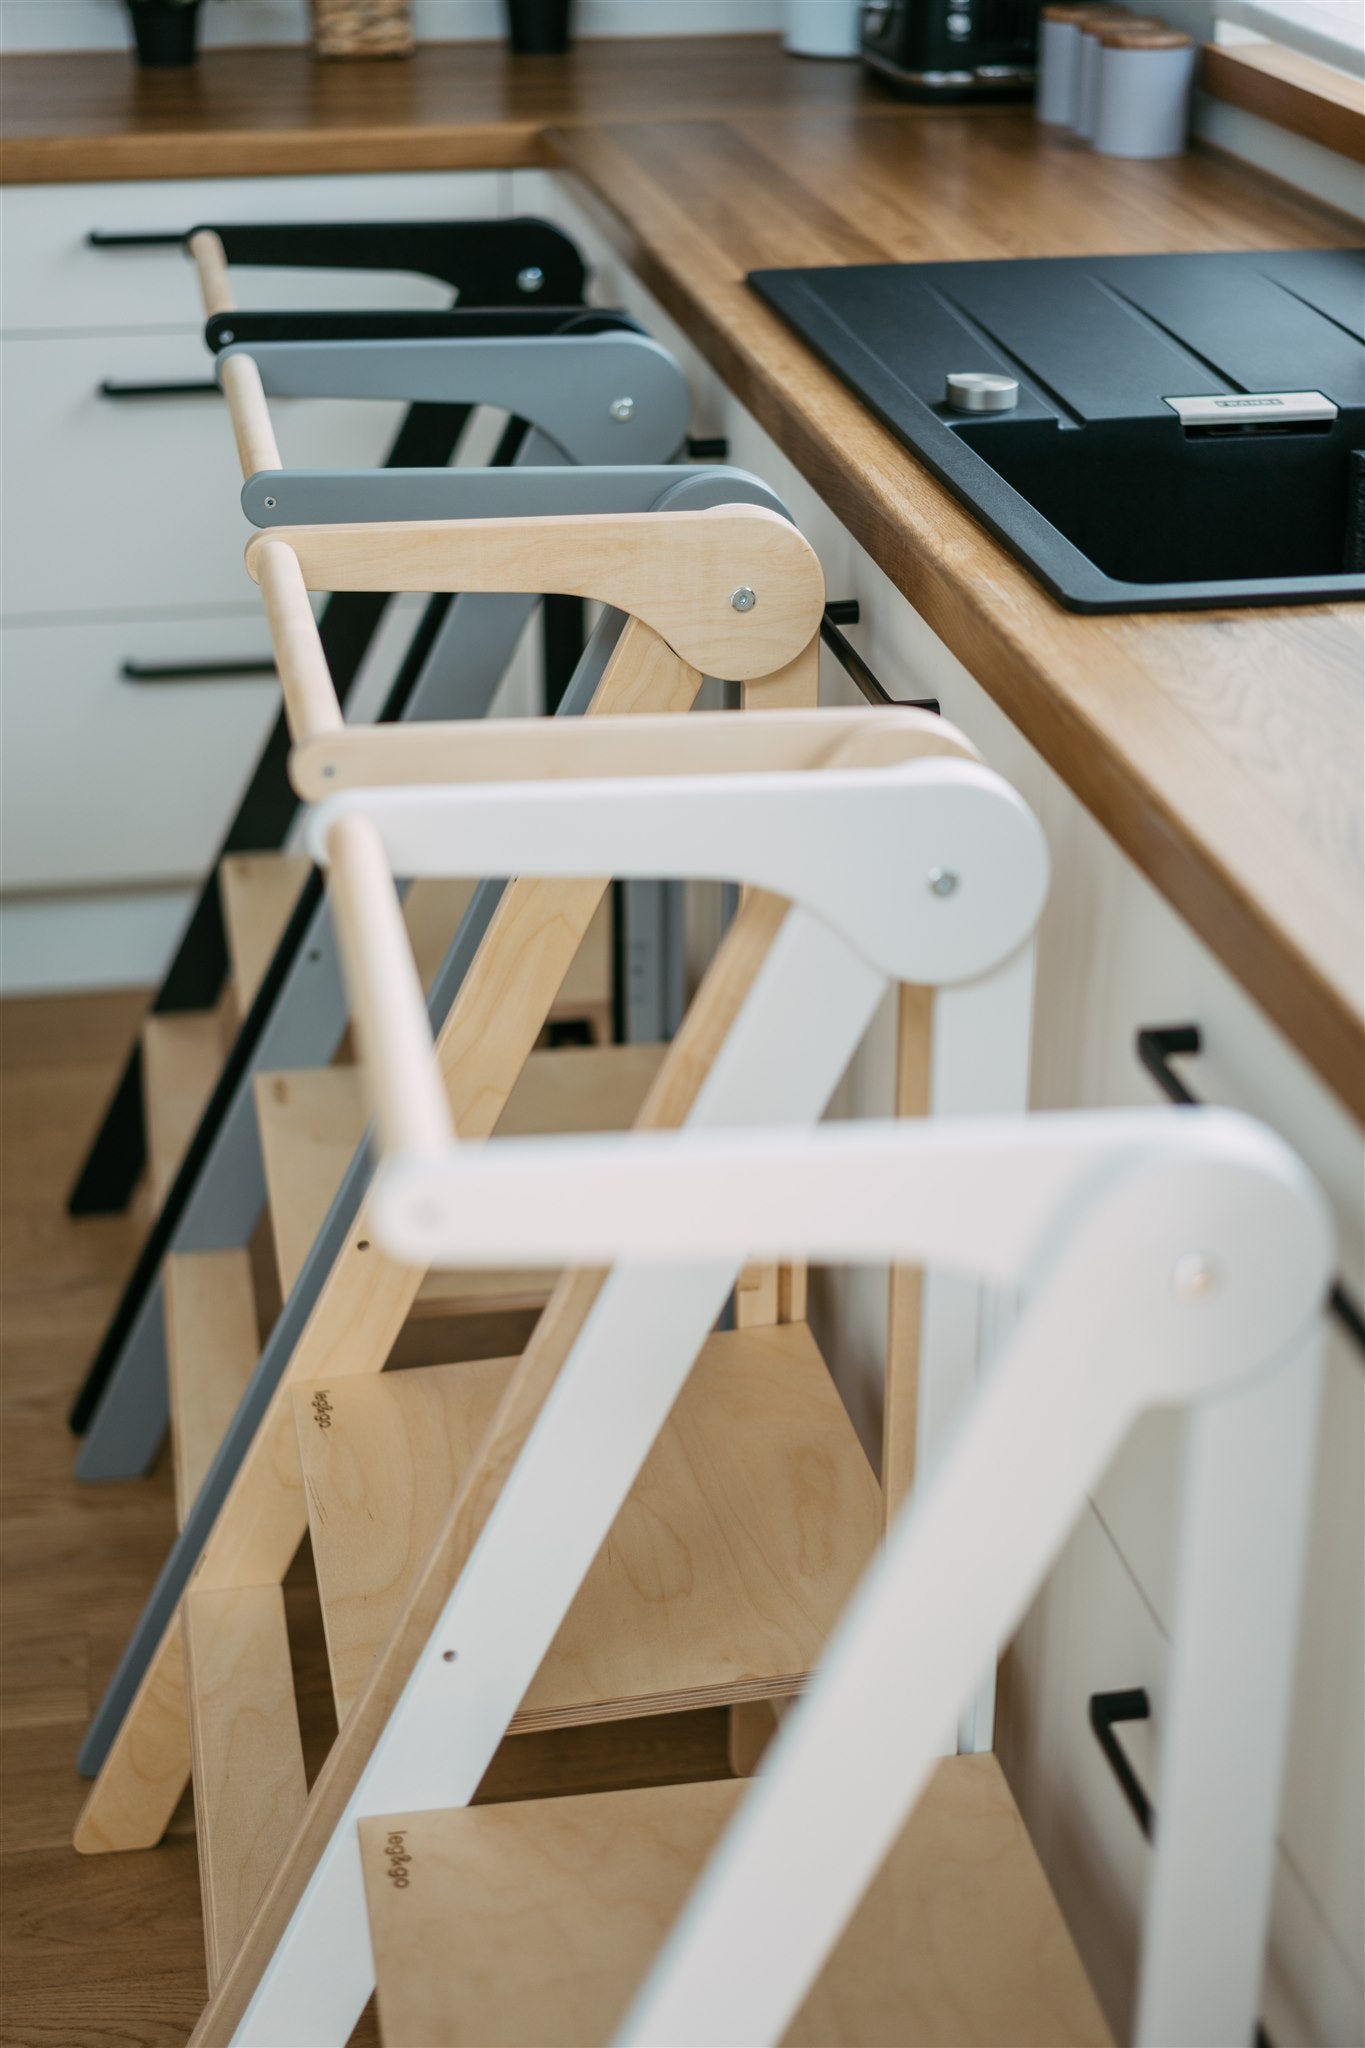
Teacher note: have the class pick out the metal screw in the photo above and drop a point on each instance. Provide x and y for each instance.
(743, 599)
(226, 336)
(622, 409)
(942, 881)
(531, 279)
(270, 504)
(1195, 1277)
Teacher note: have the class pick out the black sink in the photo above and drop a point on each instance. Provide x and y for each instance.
(1115, 500)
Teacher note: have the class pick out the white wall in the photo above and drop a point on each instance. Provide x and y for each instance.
(103, 24)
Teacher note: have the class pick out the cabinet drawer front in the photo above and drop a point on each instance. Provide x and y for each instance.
(108, 782)
(55, 282)
(132, 504)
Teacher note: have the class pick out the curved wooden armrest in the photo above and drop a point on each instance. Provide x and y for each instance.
(679, 572)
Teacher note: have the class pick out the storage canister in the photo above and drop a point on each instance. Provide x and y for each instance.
(1059, 57)
(1142, 91)
(1088, 65)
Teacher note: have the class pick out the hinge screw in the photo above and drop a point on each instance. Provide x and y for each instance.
(743, 599)
(269, 504)
(1195, 1277)
(531, 279)
(622, 409)
(942, 881)
(226, 336)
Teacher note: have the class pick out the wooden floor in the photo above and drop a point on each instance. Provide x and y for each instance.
(98, 1951)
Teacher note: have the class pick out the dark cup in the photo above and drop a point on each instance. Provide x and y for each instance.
(166, 35)
(539, 28)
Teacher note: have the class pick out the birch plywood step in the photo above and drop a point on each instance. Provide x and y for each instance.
(246, 1755)
(182, 1054)
(212, 1344)
(532, 1925)
(743, 1537)
(312, 1121)
(259, 891)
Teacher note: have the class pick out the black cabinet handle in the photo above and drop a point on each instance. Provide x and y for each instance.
(1109, 1710)
(194, 671)
(111, 388)
(1157, 1046)
(97, 239)
(846, 611)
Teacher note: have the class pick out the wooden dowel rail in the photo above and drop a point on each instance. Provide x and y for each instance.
(257, 448)
(210, 260)
(387, 1003)
(310, 699)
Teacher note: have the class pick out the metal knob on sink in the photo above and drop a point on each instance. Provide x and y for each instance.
(981, 391)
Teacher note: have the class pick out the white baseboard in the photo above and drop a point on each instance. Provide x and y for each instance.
(57, 945)
(103, 24)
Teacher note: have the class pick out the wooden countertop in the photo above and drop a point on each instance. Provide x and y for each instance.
(1224, 751)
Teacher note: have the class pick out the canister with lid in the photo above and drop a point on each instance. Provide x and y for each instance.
(1142, 91)
(1088, 64)
(1059, 53)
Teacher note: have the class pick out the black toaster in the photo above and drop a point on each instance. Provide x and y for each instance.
(953, 49)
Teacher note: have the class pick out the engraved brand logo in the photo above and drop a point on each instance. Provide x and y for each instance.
(322, 1410)
(399, 1859)
(1265, 398)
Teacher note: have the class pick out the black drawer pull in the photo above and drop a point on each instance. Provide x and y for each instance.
(97, 239)
(194, 671)
(846, 611)
(1107, 1711)
(1157, 1046)
(111, 388)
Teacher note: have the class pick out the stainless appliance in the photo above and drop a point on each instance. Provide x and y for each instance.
(953, 49)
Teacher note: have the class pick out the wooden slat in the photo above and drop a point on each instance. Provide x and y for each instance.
(259, 891)
(249, 1786)
(741, 1540)
(212, 1344)
(312, 1120)
(531, 1926)
(432, 910)
(1293, 91)
(182, 1056)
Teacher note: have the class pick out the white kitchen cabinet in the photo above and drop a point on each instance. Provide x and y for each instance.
(55, 283)
(1113, 956)
(123, 531)
(131, 504)
(113, 783)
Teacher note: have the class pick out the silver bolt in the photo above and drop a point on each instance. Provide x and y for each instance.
(531, 279)
(942, 881)
(226, 336)
(622, 409)
(743, 599)
(269, 504)
(1195, 1277)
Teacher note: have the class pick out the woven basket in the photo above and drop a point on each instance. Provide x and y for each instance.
(362, 28)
